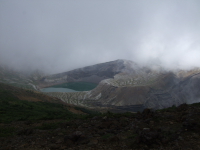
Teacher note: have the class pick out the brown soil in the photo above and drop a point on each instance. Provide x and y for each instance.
(28, 98)
(75, 111)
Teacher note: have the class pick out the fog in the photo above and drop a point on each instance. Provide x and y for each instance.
(56, 36)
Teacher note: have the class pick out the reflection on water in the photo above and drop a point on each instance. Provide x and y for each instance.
(50, 89)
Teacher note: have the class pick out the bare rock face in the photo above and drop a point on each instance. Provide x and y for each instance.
(123, 83)
(120, 96)
(94, 74)
(185, 90)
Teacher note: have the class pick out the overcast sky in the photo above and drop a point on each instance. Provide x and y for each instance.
(60, 35)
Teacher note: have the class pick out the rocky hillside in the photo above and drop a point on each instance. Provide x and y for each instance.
(123, 83)
(169, 129)
(19, 104)
(164, 90)
(94, 73)
(31, 120)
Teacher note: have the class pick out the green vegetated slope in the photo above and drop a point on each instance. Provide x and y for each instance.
(43, 122)
(14, 109)
(77, 86)
(17, 105)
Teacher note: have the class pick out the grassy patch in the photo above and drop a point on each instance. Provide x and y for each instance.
(13, 109)
(7, 131)
(87, 111)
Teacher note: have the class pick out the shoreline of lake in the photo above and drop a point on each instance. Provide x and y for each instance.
(52, 89)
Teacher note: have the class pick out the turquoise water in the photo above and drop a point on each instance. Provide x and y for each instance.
(77, 86)
(71, 87)
(51, 89)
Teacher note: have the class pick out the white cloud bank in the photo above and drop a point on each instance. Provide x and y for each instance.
(57, 36)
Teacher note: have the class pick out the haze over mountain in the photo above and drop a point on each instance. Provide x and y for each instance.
(58, 36)
(123, 84)
(31, 120)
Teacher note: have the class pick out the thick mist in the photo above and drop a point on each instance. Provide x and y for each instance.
(56, 36)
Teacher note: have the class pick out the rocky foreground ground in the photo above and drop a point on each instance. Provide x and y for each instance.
(175, 128)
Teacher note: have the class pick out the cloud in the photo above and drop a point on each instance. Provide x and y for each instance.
(57, 36)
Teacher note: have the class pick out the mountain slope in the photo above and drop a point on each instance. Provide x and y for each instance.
(123, 83)
(185, 91)
(94, 73)
(17, 104)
